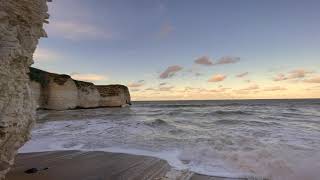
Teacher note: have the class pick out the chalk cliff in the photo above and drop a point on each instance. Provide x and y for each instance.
(60, 92)
(21, 26)
(88, 95)
(114, 95)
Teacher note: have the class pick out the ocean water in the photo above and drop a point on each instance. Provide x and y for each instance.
(276, 139)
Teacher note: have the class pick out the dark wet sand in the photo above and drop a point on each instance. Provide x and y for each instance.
(76, 165)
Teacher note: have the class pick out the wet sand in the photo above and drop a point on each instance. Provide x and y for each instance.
(77, 165)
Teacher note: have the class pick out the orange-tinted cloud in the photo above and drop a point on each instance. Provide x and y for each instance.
(217, 78)
(294, 74)
(170, 71)
(313, 80)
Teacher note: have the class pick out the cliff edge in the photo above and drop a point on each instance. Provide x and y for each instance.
(21, 26)
(61, 92)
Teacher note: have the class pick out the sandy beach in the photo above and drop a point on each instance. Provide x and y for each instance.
(69, 165)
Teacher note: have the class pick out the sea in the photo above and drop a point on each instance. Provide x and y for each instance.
(274, 139)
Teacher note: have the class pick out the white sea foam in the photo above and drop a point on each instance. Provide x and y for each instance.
(258, 142)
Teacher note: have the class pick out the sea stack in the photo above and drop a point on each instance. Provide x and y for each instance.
(60, 92)
(21, 26)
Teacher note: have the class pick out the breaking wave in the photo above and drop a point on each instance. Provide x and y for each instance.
(228, 141)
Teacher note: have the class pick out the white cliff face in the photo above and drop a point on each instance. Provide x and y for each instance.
(60, 92)
(21, 26)
(61, 95)
(36, 93)
(88, 95)
(114, 95)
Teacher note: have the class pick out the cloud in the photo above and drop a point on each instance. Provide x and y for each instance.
(74, 30)
(162, 84)
(251, 87)
(294, 74)
(313, 80)
(242, 74)
(314, 88)
(134, 90)
(88, 77)
(221, 89)
(217, 78)
(275, 88)
(227, 60)
(170, 71)
(136, 84)
(280, 77)
(166, 29)
(150, 89)
(254, 88)
(204, 60)
(166, 88)
(45, 55)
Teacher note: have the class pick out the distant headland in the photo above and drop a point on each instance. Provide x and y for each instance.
(60, 92)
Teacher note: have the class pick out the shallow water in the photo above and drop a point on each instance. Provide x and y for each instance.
(277, 139)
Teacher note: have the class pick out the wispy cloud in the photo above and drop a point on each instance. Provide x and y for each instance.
(170, 71)
(150, 89)
(135, 90)
(207, 61)
(204, 60)
(163, 84)
(227, 60)
(251, 87)
(294, 74)
(217, 78)
(220, 89)
(166, 88)
(136, 84)
(313, 80)
(89, 77)
(46, 55)
(74, 30)
(242, 74)
(275, 88)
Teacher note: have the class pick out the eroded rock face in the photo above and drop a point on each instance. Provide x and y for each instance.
(88, 95)
(114, 95)
(21, 26)
(61, 92)
(53, 91)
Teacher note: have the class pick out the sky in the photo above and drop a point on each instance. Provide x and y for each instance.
(187, 49)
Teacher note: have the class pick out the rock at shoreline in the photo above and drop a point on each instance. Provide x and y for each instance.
(61, 92)
(88, 95)
(114, 95)
(21, 26)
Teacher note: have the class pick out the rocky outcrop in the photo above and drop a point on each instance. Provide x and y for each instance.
(60, 92)
(88, 95)
(21, 26)
(114, 95)
(56, 91)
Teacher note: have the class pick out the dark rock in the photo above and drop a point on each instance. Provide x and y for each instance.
(31, 171)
